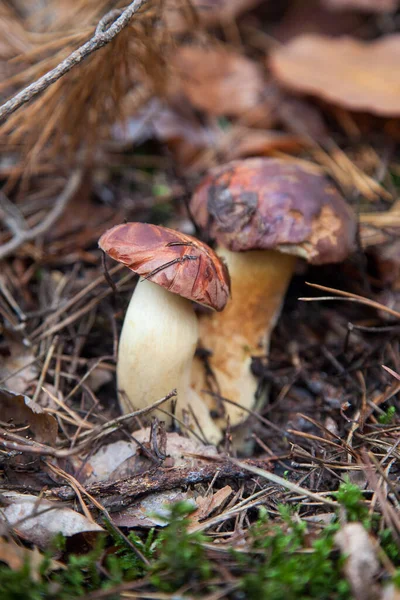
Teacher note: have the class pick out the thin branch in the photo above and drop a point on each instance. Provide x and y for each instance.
(21, 236)
(101, 38)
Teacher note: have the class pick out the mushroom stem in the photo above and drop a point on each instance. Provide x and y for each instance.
(156, 350)
(259, 280)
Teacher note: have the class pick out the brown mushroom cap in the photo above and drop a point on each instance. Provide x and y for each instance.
(175, 261)
(266, 203)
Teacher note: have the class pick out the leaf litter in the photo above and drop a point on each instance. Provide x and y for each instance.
(313, 511)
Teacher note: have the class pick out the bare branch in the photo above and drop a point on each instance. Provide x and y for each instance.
(101, 38)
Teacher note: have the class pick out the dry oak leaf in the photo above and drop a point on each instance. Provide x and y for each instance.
(217, 80)
(358, 75)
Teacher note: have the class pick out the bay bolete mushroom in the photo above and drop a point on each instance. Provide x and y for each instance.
(160, 330)
(263, 214)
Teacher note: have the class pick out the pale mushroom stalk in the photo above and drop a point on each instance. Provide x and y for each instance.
(156, 350)
(259, 280)
(160, 330)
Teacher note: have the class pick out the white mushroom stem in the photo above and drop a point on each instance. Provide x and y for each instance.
(259, 280)
(156, 350)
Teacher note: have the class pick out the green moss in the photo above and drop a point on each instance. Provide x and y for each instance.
(387, 417)
(285, 559)
(281, 566)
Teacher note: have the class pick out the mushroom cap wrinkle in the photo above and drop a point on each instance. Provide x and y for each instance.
(275, 204)
(179, 263)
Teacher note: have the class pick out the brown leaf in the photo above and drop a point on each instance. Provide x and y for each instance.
(219, 81)
(358, 75)
(149, 511)
(16, 557)
(20, 410)
(18, 369)
(39, 520)
(208, 504)
(313, 17)
(124, 459)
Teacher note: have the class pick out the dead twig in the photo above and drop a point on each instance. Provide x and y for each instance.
(22, 235)
(102, 37)
(350, 297)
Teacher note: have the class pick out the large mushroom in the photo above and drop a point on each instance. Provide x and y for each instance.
(160, 331)
(263, 214)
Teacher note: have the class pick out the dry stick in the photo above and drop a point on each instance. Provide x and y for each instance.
(351, 297)
(116, 422)
(101, 38)
(81, 294)
(292, 487)
(12, 441)
(393, 373)
(21, 236)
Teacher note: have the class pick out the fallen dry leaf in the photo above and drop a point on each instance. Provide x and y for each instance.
(376, 6)
(218, 80)
(149, 511)
(244, 142)
(124, 459)
(207, 505)
(19, 410)
(16, 556)
(18, 369)
(358, 75)
(361, 565)
(181, 15)
(313, 17)
(39, 521)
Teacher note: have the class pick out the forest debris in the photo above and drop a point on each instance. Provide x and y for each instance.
(16, 557)
(351, 73)
(208, 504)
(18, 410)
(18, 369)
(314, 17)
(184, 15)
(39, 520)
(219, 81)
(118, 495)
(390, 592)
(124, 459)
(362, 565)
(378, 6)
(150, 511)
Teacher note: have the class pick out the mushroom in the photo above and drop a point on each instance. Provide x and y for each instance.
(160, 331)
(263, 213)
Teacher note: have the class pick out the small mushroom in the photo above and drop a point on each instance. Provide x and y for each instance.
(160, 331)
(263, 213)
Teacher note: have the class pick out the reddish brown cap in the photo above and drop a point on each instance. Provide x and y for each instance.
(178, 262)
(267, 203)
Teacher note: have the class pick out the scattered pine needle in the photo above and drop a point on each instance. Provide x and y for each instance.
(350, 297)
